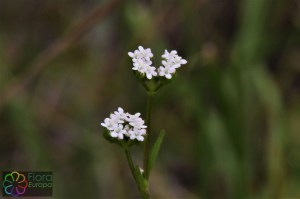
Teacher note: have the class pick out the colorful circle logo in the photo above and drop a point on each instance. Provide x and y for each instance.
(15, 184)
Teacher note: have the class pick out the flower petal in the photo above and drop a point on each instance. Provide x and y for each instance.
(131, 54)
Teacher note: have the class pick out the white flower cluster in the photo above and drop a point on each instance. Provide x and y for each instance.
(142, 63)
(122, 124)
(171, 61)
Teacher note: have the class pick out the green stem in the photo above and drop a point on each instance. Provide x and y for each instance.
(143, 187)
(130, 163)
(144, 192)
(147, 140)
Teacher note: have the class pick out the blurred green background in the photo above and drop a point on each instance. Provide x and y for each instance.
(232, 115)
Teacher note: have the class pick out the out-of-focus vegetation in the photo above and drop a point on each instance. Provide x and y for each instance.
(232, 115)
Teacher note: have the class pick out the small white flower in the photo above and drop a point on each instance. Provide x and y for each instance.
(141, 53)
(136, 121)
(116, 119)
(171, 61)
(150, 71)
(109, 124)
(137, 134)
(118, 132)
(121, 124)
(120, 114)
(166, 71)
(141, 59)
(127, 128)
(141, 65)
(168, 55)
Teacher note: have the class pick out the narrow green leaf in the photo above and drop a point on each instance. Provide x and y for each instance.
(155, 150)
